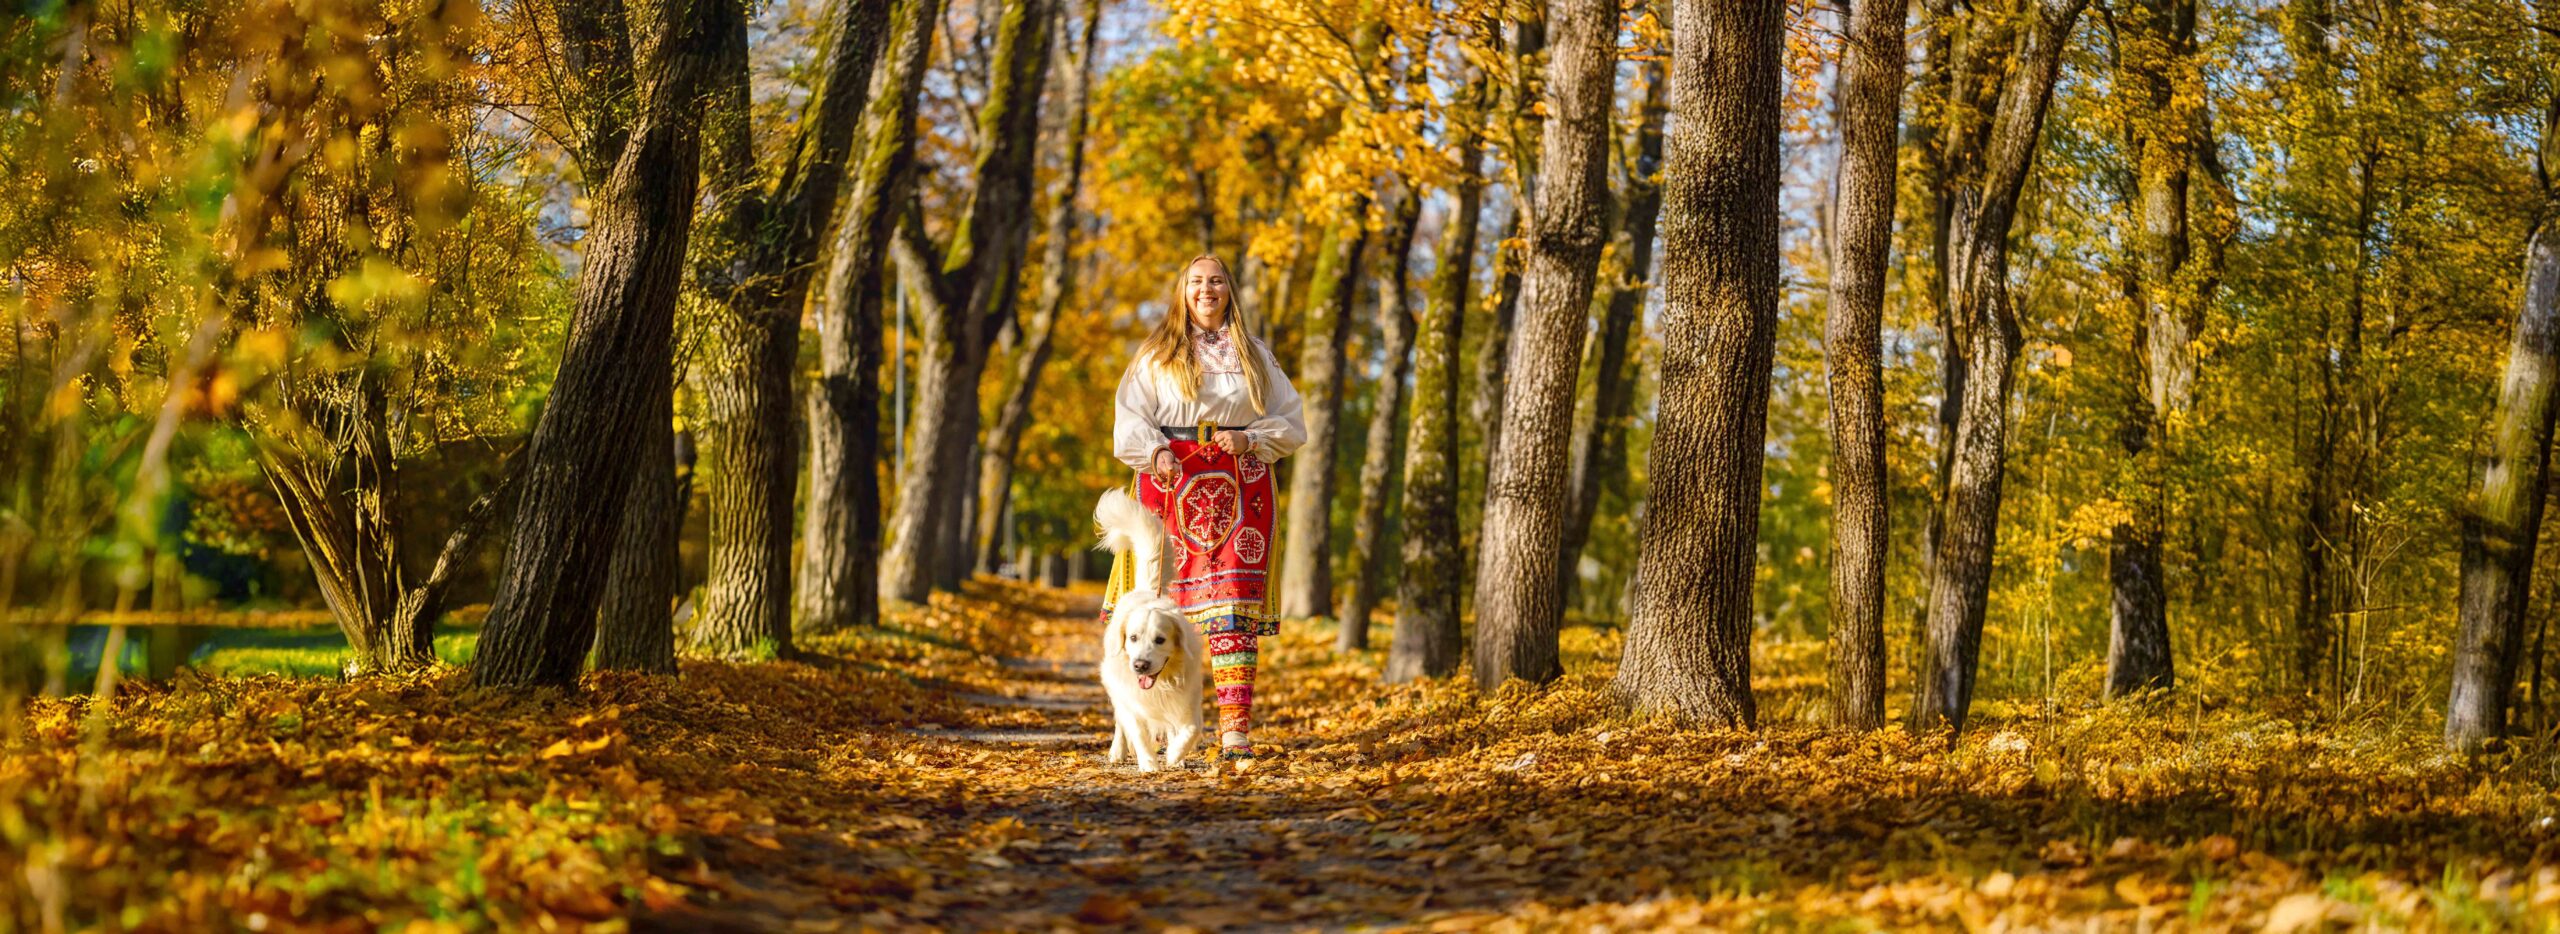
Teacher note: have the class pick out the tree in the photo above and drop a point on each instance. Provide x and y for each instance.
(840, 535)
(2167, 139)
(1988, 162)
(1689, 639)
(964, 292)
(1871, 65)
(1057, 280)
(635, 623)
(635, 627)
(542, 621)
(1306, 563)
(1599, 457)
(1516, 132)
(766, 232)
(1428, 638)
(1517, 597)
(1378, 461)
(2502, 522)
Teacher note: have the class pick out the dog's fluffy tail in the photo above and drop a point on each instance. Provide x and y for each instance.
(1130, 528)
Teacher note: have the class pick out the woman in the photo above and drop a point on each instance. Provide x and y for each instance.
(1203, 411)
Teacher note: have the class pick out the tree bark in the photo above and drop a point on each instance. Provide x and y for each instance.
(1688, 647)
(1306, 566)
(1518, 128)
(840, 535)
(1986, 331)
(1517, 600)
(1380, 459)
(635, 628)
(962, 301)
(1871, 75)
(1428, 638)
(1493, 357)
(769, 232)
(577, 474)
(2504, 518)
(333, 472)
(1057, 279)
(1599, 458)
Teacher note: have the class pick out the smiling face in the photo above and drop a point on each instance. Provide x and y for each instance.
(1153, 645)
(1205, 293)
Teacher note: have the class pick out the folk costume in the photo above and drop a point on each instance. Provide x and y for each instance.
(1220, 512)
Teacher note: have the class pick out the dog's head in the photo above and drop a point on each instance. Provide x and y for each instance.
(1153, 642)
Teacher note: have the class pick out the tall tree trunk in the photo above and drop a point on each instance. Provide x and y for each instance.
(1862, 240)
(1057, 278)
(769, 231)
(576, 472)
(2504, 518)
(840, 534)
(2155, 42)
(1306, 566)
(1379, 460)
(1493, 359)
(1517, 135)
(635, 628)
(1599, 445)
(960, 516)
(1517, 600)
(1689, 640)
(1978, 299)
(965, 292)
(1428, 638)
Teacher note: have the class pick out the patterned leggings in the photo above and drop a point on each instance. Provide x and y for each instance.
(1232, 656)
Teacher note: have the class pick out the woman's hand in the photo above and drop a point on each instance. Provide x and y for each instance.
(1166, 468)
(1234, 442)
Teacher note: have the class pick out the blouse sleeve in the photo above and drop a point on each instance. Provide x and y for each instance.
(1134, 435)
(1283, 425)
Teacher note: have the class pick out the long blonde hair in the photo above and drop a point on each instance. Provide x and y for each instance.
(1169, 349)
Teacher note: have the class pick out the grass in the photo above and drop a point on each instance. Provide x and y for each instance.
(298, 653)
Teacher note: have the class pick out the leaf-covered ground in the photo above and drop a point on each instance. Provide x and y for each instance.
(947, 772)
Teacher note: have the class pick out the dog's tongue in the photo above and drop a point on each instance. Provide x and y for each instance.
(1146, 682)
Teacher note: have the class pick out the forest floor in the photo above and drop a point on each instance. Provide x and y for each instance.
(947, 771)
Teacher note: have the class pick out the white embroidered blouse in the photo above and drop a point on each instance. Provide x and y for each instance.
(1149, 400)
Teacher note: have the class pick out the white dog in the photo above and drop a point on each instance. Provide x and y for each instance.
(1151, 654)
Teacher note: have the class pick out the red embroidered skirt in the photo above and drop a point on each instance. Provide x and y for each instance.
(1220, 516)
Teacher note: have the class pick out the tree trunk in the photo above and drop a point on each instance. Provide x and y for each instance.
(2156, 55)
(1493, 359)
(1599, 459)
(1306, 567)
(635, 629)
(1517, 600)
(1871, 74)
(1428, 638)
(577, 471)
(1379, 460)
(2505, 517)
(746, 392)
(840, 534)
(1517, 135)
(960, 516)
(1978, 302)
(335, 477)
(1688, 647)
(770, 231)
(965, 293)
(1057, 279)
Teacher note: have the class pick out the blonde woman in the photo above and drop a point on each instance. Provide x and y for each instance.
(1202, 413)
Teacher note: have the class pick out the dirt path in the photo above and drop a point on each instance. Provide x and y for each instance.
(1065, 839)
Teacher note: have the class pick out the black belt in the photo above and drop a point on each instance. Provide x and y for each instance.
(1189, 433)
